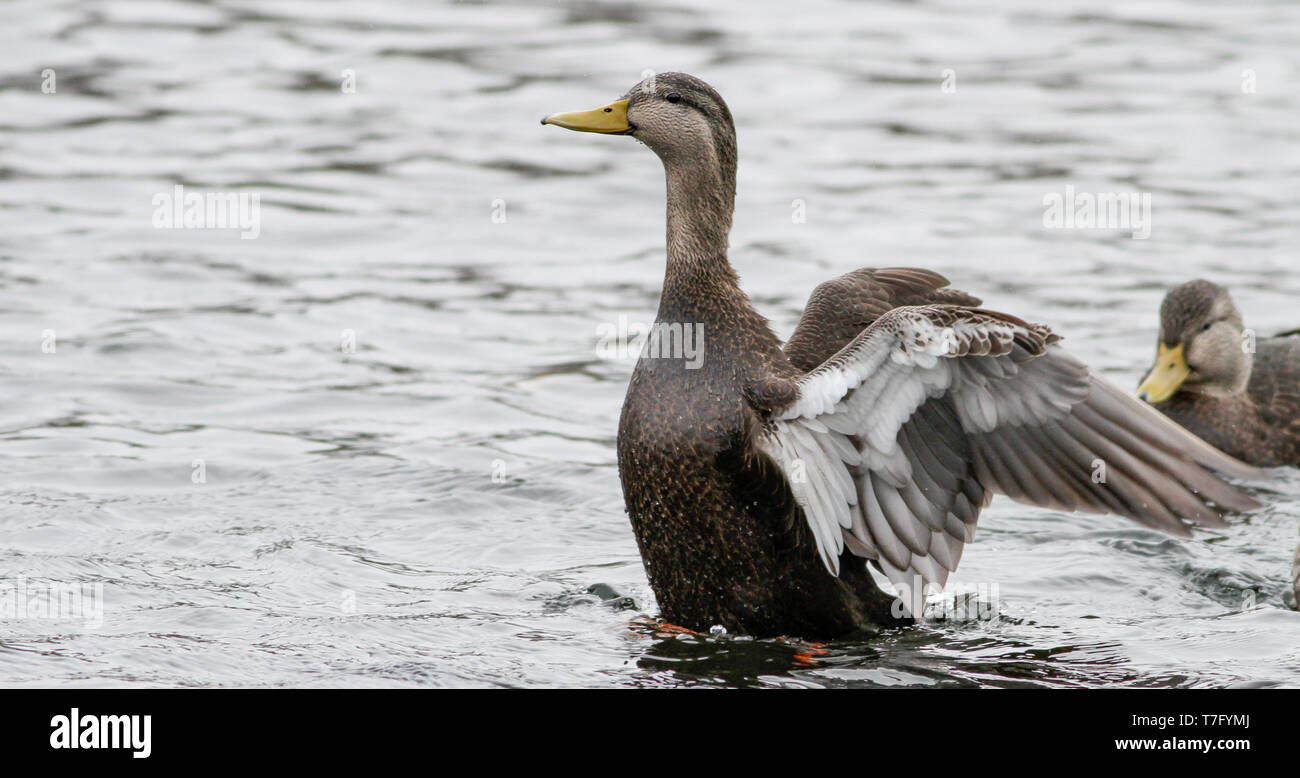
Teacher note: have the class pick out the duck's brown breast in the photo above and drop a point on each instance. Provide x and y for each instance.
(720, 535)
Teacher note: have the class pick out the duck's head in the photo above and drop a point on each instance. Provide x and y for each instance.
(681, 118)
(1202, 347)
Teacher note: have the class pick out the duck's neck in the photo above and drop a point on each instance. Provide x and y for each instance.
(700, 286)
(701, 199)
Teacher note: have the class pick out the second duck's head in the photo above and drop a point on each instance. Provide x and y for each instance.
(681, 118)
(1202, 348)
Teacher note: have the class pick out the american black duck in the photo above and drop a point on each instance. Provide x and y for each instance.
(759, 479)
(1213, 376)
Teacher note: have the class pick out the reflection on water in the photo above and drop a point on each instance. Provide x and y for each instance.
(374, 445)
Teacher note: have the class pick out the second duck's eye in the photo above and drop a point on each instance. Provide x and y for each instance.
(673, 97)
(1207, 325)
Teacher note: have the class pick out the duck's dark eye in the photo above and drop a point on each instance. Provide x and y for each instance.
(1207, 325)
(673, 97)
(607, 110)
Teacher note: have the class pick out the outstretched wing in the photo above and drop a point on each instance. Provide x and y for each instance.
(841, 308)
(894, 444)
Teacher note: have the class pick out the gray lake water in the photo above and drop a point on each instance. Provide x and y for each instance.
(374, 446)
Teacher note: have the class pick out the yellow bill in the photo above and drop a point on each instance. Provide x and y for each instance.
(609, 119)
(1164, 378)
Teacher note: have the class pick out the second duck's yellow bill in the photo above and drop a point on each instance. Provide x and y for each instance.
(611, 118)
(1168, 373)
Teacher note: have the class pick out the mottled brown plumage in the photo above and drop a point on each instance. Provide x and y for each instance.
(717, 526)
(841, 308)
(752, 511)
(1245, 404)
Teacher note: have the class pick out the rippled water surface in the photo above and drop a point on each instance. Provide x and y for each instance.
(433, 508)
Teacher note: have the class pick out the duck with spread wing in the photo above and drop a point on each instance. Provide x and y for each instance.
(760, 478)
